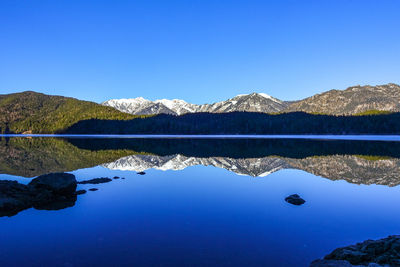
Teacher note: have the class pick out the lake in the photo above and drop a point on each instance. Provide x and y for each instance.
(202, 201)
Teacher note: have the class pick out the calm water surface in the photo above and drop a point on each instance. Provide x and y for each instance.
(202, 202)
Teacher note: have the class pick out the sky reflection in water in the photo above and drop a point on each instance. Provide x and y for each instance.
(198, 216)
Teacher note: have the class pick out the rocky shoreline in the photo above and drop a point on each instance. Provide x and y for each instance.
(381, 252)
(46, 192)
(52, 191)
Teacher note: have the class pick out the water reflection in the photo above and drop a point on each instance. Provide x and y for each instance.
(207, 214)
(30, 157)
(360, 162)
(354, 169)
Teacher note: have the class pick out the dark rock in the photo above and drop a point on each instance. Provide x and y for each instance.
(141, 173)
(332, 263)
(14, 197)
(57, 183)
(80, 192)
(295, 199)
(93, 189)
(116, 177)
(382, 252)
(50, 192)
(101, 180)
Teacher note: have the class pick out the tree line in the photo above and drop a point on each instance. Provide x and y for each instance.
(243, 123)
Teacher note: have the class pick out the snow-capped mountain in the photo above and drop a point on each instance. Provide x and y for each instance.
(138, 105)
(178, 106)
(353, 100)
(255, 102)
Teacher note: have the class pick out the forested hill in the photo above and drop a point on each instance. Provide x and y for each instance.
(39, 113)
(244, 123)
(31, 112)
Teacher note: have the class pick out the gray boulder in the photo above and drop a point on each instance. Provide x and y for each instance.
(56, 183)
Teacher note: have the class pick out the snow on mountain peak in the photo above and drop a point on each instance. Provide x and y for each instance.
(142, 106)
(265, 95)
(177, 105)
(128, 100)
(270, 97)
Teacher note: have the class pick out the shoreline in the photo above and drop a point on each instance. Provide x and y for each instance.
(167, 136)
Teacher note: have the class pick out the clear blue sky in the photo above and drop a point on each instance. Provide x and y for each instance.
(199, 51)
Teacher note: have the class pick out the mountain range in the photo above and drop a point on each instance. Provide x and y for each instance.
(255, 102)
(256, 113)
(353, 100)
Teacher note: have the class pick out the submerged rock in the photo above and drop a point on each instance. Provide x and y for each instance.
(101, 180)
(50, 192)
(80, 192)
(295, 199)
(333, 263)
(93, 189)
(382, 252)
(141, 173)
(116, 177)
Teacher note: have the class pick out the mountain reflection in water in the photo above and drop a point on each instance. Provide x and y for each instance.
(353, 169)
(202, 213)
(360, 162)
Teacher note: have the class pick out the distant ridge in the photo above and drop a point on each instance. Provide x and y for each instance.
(255, 102)
(353, 100)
